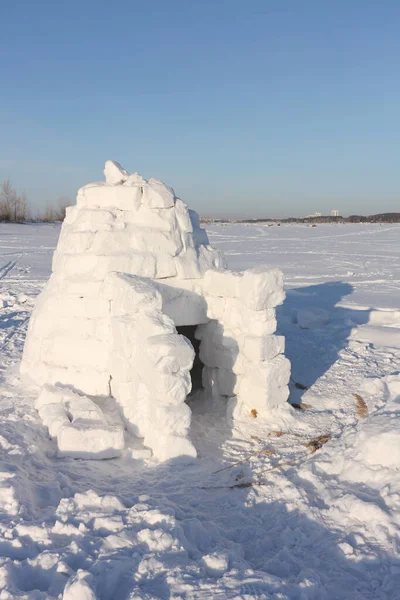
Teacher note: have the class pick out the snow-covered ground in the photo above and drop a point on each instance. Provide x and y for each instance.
(323, 524)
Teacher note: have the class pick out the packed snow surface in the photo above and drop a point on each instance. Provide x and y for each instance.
(306, 508)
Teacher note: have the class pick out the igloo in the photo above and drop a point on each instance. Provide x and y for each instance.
(135, 287)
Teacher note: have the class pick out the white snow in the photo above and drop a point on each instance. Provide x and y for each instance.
(319, 526)
(105, 325)
(114, 173)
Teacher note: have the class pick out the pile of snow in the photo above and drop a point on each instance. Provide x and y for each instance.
(373, 449)
(132, 264)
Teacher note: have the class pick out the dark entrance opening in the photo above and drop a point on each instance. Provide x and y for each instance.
(196, 371)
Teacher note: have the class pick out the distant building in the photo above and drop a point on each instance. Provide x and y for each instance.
(334, 213)
(316, 214)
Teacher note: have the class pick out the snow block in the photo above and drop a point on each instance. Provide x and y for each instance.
(262, 287)
(114, 173)
(275, 372)
(222, 283)
(158, 195)
(53, 416)
(257, 348)
(169, 353)
(84, 438)
(129, 294)
(110, 196)
(261, 398)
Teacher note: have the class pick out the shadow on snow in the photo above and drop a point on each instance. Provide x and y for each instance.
(313, 351)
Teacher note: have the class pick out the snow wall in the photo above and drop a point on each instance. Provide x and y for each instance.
(132, 264)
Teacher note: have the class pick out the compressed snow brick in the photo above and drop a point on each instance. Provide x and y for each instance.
(90, 440)
(80, 287)
(53, 416)
(109, 196)
(146, 239)
(170, 419)
(76, 243)
(215, 307)
(48, 395)
(97, 267)
(157, 219)
(114, 240)
(186, 309)
(158, 195)
(200, 236)
(167, 388)
(124, 391)
(81, 407)
(169, 353)
(91, 220)
(262, 287)
(71, 212)
(225, 381)
(111, 242)
(129, 293)
(222, 283)
(274, 372)
(210, 258)
(114, 173)
(128, 333)
(183, 217)
(221, 335)
(257, 348)
(135, 179)
(262, 398)
(76, 306)
(135, 401)
(165, 266)
(120, 368)
(65, 351)
(244, 320)
(84, 379)
(223, 357)
(183, 301)
(83, 328)
(187, 264)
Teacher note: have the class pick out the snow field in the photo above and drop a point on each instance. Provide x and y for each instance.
(320, 526)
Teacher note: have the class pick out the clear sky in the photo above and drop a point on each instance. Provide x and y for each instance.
(247, 108)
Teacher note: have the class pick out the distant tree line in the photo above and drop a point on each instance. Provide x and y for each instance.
(15, 208)
(379, 218)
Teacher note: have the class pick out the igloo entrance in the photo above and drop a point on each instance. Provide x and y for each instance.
(133, 270)
(196, 372)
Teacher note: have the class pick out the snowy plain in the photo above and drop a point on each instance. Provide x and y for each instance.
(321, 525)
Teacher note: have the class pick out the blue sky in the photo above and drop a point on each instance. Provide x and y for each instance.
(256, 108)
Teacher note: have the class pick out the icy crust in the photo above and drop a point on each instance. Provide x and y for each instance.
(132, 264)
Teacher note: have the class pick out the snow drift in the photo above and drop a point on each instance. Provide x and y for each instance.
(132, 264)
